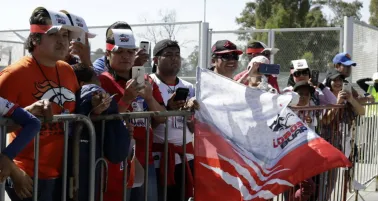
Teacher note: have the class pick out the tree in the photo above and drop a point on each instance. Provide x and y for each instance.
(341, 9)
(169, 31)
(373, 20)
(317, 47)
(193, 57)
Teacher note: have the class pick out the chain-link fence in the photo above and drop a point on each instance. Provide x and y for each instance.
(317, 45)
(11, 46)
(186, 33)
(240, 38)
(365, 50)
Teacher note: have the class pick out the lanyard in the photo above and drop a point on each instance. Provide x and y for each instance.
(52, 88)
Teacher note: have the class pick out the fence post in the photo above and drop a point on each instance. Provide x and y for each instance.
(272, 41)
(203, 49)
(348, 38)
(348, 35)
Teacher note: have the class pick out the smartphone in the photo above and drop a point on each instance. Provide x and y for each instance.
(145, 45)
(181, 94)
(347, 87)
(138, 74)
(269, 69)
(315, 77)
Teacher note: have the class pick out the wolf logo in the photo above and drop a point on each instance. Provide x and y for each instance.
(281, 123)
(51, 91)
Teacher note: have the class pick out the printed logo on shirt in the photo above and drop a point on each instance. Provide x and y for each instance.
(139, 105)
(51, 91)
(170, 91)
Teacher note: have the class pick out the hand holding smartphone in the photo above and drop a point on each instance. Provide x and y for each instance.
(269, 69)
(181, 94)
(315, 77)
(145, 45)
(138, 74)
(347, 87)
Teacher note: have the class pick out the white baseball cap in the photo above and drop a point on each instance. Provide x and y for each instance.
(258, 59)
(123, 38)
(58, 21)
(300, 64)
(78, 21)
(375, 76)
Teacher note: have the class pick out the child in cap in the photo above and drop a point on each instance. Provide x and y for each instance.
(300, 71)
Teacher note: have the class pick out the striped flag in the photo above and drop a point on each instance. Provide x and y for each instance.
(249, 145)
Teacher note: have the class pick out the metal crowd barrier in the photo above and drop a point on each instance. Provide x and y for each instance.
(365, 170)
(64, 118)
(147, 116)
(355, 136)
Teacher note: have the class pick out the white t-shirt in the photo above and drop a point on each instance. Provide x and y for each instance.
(175, 124)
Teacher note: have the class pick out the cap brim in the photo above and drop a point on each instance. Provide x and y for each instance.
(312, 89)
(271, 50)
(239, 52)
(125, 47)
(349, 63)
(91, 35)
(335, 76)
(300, 68)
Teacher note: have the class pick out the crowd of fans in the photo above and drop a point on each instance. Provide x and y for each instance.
(59, 78)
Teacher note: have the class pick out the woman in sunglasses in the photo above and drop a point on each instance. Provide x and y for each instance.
(300, 71)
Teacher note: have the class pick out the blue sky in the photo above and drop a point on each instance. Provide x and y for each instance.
(220, 14)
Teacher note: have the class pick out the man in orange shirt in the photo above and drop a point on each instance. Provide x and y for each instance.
(45, 86)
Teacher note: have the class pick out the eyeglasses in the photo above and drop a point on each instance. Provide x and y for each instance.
(227, 57)
(299, 73)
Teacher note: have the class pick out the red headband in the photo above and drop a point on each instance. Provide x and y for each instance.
(109, 46)
(37, 28)
(254, 50)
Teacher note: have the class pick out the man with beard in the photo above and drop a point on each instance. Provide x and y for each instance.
(167, 62)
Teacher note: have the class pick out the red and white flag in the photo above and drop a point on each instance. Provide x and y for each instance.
(250, 146)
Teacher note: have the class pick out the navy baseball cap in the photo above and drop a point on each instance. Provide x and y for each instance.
(345, 59)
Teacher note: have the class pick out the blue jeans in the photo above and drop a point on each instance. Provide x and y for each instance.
(137, 194)
(48, 190)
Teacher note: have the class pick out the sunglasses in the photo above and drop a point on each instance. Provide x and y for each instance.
(299, 73)
(227, 57)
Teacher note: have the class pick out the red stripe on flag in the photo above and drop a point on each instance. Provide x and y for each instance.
(303, 162)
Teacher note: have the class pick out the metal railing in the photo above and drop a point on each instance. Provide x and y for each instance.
(64, 118)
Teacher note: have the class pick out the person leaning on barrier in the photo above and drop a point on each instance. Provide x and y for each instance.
(370, 88)
(141, 56)
(45, 86)
(255, 49)
(116, 136)
(30, 127)
(131, 97)
(167, 59)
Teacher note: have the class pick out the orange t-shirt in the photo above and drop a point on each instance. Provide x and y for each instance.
(23, 83)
